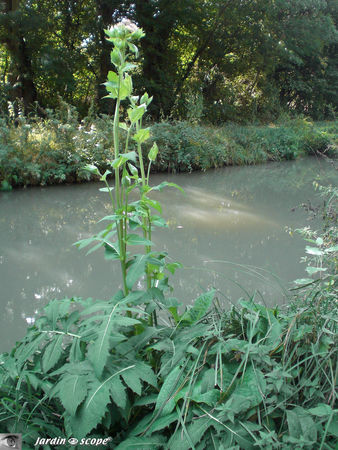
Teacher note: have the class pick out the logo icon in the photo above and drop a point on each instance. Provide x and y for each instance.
(73, 441)
(10, 441)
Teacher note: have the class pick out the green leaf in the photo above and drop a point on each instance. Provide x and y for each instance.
(165, 400)
(322, 410)
(92, 169)
(126, 87)
(104, 176)
(27, 349)
(301, 425)
(146, 99)
(123, 158)
(136, 270)
(142, 443)
(162, 422)
(133, 170)
(113, 78)
(146, 373)
(153, 152)
(128, 66)
(52, 353)
(314, 251)
(153, 204)
(106, 189)
(133, 48)
(72, 390)
(136, 113)
(56, 309)
(303, 281)
(91, 412)
(99, 351)
(116, 57)
(112, 250)
(158, 221)
(312, 270)
(164, 184)
(84, 242)
(118, 391)
(142, 135)
(135, 239)
(133, 381)
(200, 307)
(123, 126)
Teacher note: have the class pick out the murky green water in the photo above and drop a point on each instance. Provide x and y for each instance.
(228, 230)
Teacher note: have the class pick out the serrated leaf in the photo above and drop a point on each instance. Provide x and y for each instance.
(118, 391)
(146, 373)
(158, 221)
(26, 350)
(52, 353)
(98, 351)
(72, 390)
(91, 412)
(56, 309)
(132, 380)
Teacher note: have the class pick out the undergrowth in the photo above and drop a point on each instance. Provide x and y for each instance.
(54, 149)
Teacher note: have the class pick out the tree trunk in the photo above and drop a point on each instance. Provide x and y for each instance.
(22, 76)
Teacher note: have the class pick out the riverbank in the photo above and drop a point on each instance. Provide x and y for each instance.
(36, 151)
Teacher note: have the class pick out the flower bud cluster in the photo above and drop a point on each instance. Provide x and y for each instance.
(124, 30)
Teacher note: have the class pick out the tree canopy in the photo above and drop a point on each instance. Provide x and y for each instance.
(217, 59)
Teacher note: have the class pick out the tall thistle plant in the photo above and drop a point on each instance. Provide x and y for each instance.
(130, 173)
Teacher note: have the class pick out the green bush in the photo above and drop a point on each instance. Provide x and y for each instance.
(35, 151)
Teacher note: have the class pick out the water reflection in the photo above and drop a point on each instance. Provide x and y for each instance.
(228, 230)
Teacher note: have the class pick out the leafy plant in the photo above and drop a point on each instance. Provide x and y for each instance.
(249, 377)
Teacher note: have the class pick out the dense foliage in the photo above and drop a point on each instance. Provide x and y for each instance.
(141, 371)
(216, 60)
(35, 151)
